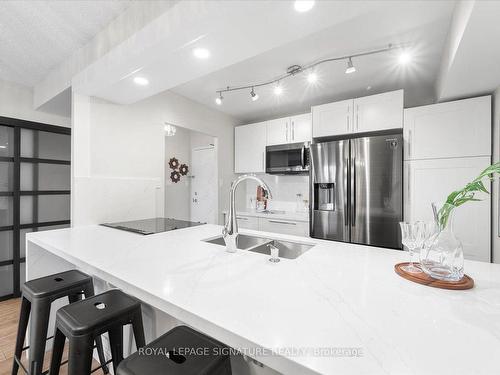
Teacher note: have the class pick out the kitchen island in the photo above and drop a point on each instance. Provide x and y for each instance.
(337, 309)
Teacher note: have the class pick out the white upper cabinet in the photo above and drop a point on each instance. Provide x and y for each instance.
(250, 148)
(332, 118)
(278, 131)
(378, 112)
(455, 129)
(301, 128)
(367, 114)
(289, 130)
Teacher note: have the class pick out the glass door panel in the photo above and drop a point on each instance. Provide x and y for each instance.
(6, 176)
(44, 176)
(6, 246)
(6, 141)
(45, 145)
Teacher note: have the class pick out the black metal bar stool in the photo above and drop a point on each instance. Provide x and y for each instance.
(181, 351)
(83, 321)
(37, 297)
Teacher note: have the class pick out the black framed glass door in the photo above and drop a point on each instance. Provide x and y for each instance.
(35, 184)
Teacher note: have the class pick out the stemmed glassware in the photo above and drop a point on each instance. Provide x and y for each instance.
(414, 237)
(411, 237)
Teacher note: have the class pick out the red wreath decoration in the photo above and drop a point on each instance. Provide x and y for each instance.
(175, 176)
(173, 163)
(183, 169)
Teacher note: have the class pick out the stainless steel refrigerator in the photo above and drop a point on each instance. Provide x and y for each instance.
(357, 190)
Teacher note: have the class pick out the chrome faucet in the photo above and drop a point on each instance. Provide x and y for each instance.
(230, 231)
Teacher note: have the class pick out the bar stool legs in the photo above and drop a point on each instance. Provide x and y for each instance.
(40, 311)
(21, 332)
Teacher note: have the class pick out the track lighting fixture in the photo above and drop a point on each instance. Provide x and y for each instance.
(294, 70)
(254, 95)
(350, 67)
(218, 100)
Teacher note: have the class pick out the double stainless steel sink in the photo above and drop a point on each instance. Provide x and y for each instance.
(287, 249)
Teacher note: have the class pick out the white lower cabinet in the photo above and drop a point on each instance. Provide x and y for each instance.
(428, 181)
(248, 222)
(296, 228)
(283, 226)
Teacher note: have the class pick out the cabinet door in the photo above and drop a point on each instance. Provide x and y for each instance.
(296, 228)
(278, 131)
(378, 112)
(247, 222)
(428, 181)
(455, 129)
(301, 128)
(332, 119)
(250, 148)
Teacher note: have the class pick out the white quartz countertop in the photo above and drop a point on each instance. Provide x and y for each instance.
(334, 297)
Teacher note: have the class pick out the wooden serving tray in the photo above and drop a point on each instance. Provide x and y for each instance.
(422, 278)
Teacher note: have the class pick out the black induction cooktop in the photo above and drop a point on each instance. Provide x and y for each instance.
(151, 226)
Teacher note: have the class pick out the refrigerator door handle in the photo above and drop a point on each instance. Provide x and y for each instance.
(346, 203)
(303, 157)
(353, 191)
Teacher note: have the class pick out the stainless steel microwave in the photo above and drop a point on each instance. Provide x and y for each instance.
(292, 158)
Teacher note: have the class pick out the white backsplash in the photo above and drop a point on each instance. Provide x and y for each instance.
(284, 190)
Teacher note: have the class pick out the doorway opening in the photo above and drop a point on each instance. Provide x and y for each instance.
(191, 190)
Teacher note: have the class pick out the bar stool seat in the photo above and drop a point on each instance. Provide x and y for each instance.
(37, 298)
(181, 351)
(83, 321)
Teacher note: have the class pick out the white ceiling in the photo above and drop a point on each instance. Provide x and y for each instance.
(474, 68)
(423, 24)
(36, 36)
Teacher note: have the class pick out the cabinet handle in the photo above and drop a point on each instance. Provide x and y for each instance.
(282, 222)
(357, 116)
(241, 218)
(409, 142)
(287, 131)
(263, 162)
(408, 188)
(293, 131)
(348, 118)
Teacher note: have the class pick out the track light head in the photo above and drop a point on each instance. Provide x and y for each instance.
(350, 67)
(312, 77)
(219, 99)
(278, 90)
(254, 95)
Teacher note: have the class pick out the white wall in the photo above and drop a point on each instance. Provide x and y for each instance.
(495, 239)
(118, 155)
(17, 101)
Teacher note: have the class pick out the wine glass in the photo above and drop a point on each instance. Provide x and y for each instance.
(412, 238)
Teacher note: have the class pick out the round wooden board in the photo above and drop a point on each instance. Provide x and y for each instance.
(422, 278)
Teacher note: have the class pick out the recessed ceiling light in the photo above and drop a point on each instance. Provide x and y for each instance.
(312, 77)
(350, 67)
(201, 53)
(404, 58)
(303, 5)
(278, 90)
(141, 81)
